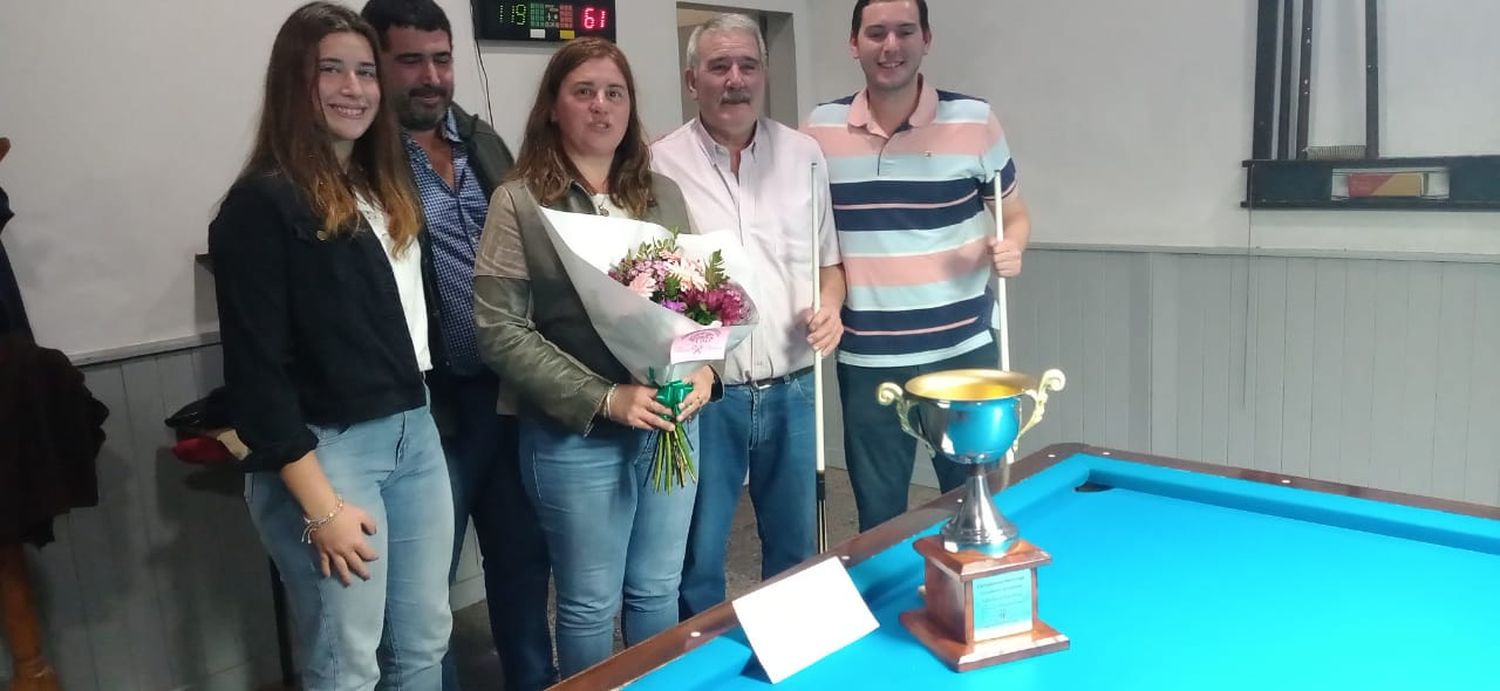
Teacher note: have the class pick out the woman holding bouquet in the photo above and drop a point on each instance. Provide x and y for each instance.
(587, 432)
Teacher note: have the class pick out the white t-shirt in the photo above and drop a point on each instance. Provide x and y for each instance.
(407, 269)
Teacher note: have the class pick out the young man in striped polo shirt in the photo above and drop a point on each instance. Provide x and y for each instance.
(912, 173)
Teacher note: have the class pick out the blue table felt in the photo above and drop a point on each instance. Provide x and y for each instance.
(1172, 579)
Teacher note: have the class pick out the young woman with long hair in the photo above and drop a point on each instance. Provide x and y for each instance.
(323, 322)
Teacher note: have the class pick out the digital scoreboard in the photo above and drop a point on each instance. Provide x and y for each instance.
(543, 21)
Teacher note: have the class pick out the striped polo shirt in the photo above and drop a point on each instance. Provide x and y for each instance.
(912, 224)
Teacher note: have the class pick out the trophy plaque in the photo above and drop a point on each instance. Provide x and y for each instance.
(980, 575)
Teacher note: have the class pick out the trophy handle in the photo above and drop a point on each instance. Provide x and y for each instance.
(889, 394)
(1052, 380)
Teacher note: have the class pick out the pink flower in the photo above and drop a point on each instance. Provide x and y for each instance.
(725, 304)
(650, 270)
(658, 269)
(643, 285)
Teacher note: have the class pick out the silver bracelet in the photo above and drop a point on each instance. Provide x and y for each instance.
(313, 525)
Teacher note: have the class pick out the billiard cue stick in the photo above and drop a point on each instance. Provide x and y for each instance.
(822, 486)
(1001, 303)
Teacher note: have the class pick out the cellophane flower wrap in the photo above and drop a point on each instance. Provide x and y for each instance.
(664, 303)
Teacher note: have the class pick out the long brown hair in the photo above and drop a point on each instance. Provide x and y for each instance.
(545, 166)
(293, 140)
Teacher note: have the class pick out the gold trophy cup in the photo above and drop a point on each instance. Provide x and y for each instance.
(981, 594)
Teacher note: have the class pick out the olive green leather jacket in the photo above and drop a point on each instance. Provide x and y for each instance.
(532, 327)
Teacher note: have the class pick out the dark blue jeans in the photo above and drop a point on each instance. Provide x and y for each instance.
(484, 466)
(768, 432)
(879, 455)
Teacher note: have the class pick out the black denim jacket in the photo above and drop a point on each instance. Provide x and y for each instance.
(311, 326)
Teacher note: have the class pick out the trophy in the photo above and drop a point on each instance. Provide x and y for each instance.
(981, 596)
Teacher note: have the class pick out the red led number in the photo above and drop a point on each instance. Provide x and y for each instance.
(595, 18)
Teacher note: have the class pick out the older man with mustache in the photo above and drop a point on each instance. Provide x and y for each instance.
(746, 174)
(457, 161)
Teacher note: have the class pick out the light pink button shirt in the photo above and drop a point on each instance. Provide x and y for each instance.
(769, 208)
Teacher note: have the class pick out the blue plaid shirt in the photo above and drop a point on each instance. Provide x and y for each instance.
(454, 222)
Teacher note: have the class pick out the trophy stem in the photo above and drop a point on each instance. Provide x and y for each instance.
(978, 526)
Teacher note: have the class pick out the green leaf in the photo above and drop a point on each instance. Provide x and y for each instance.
(715, 271)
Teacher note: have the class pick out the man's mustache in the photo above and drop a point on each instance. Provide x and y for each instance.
(423, 91)
(735, 97)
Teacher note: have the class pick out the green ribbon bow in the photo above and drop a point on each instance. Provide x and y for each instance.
(673, 394)
(672, 461)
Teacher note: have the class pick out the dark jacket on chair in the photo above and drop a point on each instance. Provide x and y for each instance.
(51, 430)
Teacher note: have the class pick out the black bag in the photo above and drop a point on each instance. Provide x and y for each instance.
(205, 414)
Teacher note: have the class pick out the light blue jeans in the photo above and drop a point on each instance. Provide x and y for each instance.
(608, 533)
(392, 629)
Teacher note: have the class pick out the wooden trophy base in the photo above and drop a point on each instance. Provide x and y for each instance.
(962, 657)
(948, 626)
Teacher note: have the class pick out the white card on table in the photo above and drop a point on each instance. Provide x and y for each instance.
(803, 618)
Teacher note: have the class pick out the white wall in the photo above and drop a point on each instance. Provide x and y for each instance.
(127, 130)
(1129, 120)
(1437, 66)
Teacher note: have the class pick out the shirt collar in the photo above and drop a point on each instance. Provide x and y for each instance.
(925, 114)
(450, 127)
(711, 147)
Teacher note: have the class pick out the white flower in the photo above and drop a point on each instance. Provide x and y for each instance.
(689, 276)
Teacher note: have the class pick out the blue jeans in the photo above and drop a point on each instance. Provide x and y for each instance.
(768, 432)
(607, 532)
(484, 466)
(879, 455)
(392, 629)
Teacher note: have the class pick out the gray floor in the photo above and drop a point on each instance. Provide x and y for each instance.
(479, 668)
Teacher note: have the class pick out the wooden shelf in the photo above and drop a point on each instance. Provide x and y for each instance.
(1283, 184)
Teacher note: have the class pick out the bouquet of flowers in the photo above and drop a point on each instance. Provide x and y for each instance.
(664, 303)
(695, 288)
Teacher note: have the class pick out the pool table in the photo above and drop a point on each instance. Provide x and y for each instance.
(1165, 574)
